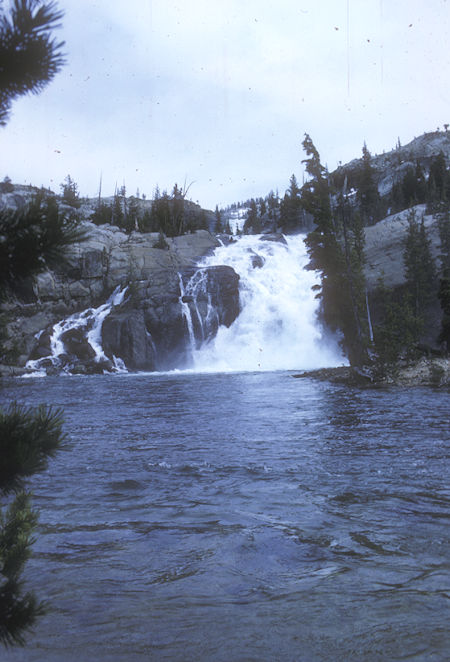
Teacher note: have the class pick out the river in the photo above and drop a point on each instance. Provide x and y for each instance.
(240, 516)
(232, 512)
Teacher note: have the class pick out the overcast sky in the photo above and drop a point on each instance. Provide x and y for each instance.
(219, 93)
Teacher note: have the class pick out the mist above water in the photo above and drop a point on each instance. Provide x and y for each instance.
(277, 328)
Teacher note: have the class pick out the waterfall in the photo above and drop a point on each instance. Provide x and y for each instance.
(277, 328)
(202, 319)
(90, 322)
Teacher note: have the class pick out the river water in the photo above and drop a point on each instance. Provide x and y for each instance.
(240, 516)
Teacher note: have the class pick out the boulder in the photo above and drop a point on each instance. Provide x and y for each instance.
(125, 336)
(77, 345)
(274, 236)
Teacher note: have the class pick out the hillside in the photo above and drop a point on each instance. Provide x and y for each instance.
(148, 245)
(390, 167)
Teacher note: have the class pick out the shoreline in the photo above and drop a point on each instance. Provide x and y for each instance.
(432, 372)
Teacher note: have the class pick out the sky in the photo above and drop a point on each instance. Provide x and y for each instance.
(218, 94)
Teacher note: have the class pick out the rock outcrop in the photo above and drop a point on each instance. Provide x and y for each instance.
(148, 329)
(385, 245)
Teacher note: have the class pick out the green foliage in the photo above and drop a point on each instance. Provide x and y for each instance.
(291, 209)
(102, 214)
(397, 333)
(419, 265)
(69, 191)
(33, 238)
(30, 239)
(444, 282)
(29, 56)
(438, 180)
(118, 211)
(403, 312)
(444, 299)
(336, 248)
(218, 222)
(28, 437)
(133, 215)
(444, 235)
(367, 190)
(18, 610)
(252, 223)
(173, 215)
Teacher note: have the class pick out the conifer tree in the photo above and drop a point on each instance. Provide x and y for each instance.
(336, 248)
(252, 223)
(69, 190)
(291, 208)
(419, 265)
(397, 332)
(367, 191)
(438, 180)
(444, 281)
(218, 222)
(28, 437)
(29, 239)
(29, 56)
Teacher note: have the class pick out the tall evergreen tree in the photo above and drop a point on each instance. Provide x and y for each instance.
(419, 264)
(218, 222)
(291, 208)
(367, 191)
(444, 281)
(335, 246)
(438, 180)
(252, 223)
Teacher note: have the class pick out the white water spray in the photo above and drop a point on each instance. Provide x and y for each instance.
(277, 328)
(91, 321)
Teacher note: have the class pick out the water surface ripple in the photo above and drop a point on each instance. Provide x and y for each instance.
(240, 517)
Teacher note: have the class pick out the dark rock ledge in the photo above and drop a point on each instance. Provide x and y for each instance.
(434, 372)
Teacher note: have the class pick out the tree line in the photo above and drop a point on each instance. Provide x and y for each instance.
(336, 248)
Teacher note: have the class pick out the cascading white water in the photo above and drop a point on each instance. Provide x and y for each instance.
(91, 321)
(277, 328)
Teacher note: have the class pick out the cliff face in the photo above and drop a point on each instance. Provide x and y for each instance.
(385, 244)
(146, 329)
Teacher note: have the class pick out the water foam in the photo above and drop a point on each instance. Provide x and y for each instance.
(277, 328)
(91, 321)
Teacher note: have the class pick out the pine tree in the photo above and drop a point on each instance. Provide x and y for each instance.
(444, 281)
(252, 223)
(69, 190)
(27, 439)
(29, 239)
(419, 265)
(29, 56)
(291, 208)
(438, 180)
(367, 191)
(33, 238)
(218, 222)
(178, 212)
(397, 332)
(336, 247)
